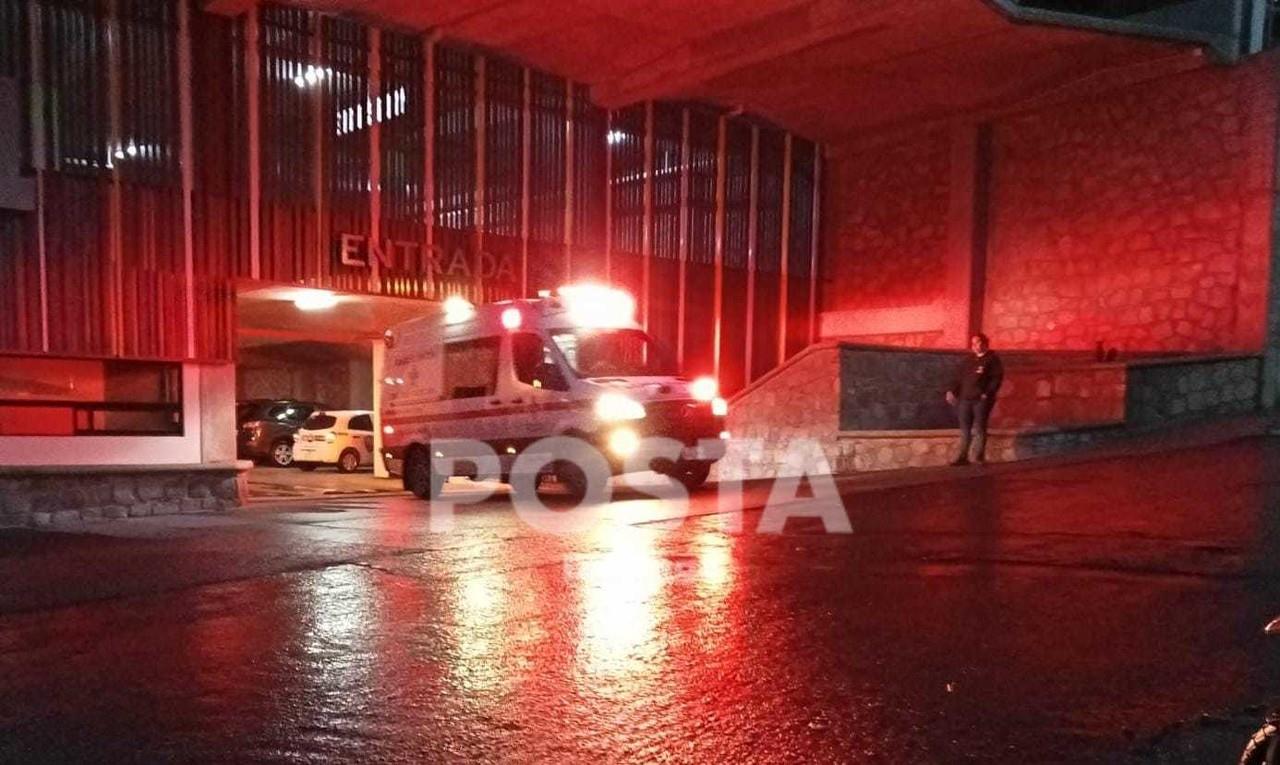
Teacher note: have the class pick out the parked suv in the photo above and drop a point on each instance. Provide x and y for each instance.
(337, 437)
(265, 428)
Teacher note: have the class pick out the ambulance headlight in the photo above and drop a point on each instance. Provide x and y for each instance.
(612, 407)
(624, 442)
(704, 389)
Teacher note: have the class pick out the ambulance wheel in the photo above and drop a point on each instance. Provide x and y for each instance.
(573, 478)
(584, 470)
(349, 461)
(420, 478)
(693, 474)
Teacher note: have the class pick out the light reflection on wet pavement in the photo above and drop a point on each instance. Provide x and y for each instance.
(1063, 614)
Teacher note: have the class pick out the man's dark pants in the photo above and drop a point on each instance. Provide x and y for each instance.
(973, 416)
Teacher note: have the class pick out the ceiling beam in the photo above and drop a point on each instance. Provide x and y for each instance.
(228, 7)
(759, 41)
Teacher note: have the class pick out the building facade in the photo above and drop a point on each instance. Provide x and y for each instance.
(162, 162)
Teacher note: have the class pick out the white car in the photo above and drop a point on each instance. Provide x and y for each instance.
(343, 438)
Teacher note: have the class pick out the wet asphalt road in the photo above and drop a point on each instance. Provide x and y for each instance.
(1058, 614)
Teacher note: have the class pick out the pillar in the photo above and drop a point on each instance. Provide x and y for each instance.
(379, 362)
(966, 234)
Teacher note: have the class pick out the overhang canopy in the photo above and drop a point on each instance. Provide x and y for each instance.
(826, 69)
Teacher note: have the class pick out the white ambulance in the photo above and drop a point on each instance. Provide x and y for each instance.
(505, 375)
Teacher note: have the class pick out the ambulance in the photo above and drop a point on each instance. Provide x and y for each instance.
(500, 377)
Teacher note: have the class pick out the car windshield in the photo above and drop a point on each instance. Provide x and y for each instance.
(612, 353)
(319, 421)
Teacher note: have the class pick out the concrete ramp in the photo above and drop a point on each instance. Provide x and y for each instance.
(844, 407)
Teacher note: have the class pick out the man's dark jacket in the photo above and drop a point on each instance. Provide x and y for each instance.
(978, 377)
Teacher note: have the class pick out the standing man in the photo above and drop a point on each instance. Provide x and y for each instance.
(973, 394)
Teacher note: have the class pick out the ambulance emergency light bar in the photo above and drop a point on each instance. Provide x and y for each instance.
(588, 305)
(594, 305)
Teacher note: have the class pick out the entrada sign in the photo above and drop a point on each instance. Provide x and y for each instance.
(430, 260)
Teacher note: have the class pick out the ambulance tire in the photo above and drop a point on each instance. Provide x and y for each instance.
(583, 469)
(420, 478)
(573, 478)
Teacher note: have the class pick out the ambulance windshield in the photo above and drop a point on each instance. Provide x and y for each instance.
(612, 353)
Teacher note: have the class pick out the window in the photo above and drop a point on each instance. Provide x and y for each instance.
(288, 413)
(534, 362)
(83, 397)
(613, 353)
(471, 368)
(320, 421)
(361, 422)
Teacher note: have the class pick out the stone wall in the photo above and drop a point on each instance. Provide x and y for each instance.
(932, 339)
(30, 497)
(885, 218)
(1046, 394)
(882, 389)
(799, 400)
(306, 371)
(870, 408)
(1165, 391)
(889, 450)
(1139, 217)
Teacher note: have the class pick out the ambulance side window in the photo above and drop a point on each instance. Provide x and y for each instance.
(471, 368)
(534, 364)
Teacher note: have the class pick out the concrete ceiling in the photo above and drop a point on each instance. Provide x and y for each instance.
(826, 69)
(268, 315)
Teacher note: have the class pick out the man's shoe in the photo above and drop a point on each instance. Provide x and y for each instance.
(959, 461)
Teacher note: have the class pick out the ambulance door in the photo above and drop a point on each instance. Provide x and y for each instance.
(471, 408)
(540, 385)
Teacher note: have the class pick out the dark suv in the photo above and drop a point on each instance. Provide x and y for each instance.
(265, 428)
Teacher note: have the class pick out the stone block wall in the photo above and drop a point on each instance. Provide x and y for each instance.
(867, 408)
(799, 400)
(883, 389)
(895, 451)
(885, 215)
(1166, 391)
(1138, 216)
(29, 498)
(1060, 395)
(898, 339)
